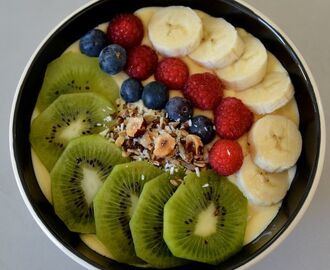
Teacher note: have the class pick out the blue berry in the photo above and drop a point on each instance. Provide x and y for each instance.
(131, 90)
(202, 127)
(179, 109)
(112, 59)
(93, 42)
(155, 95)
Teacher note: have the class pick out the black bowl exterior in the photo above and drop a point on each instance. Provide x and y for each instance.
(102, 11)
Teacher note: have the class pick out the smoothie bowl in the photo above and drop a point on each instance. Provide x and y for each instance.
(167, 134)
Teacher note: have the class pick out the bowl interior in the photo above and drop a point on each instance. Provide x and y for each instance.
(236, 14)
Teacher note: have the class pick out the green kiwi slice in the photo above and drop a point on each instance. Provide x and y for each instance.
(78, 175)
(68, 117)
(205, 219)
(147, 222)
(115, 204)
(75, 73)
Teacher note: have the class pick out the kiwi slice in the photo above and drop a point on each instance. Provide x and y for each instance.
(115, 204)
(68, 117)
(147, 223)
(78, 175)
(75, 73)
(205, 219)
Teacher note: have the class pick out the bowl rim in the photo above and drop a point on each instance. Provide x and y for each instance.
(283, 235)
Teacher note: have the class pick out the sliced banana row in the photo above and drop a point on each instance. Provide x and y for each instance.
(249, 73)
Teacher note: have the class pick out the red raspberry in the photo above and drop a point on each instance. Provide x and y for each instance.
(204, 90)
(126, 30)
(173, 72)
(141, 62)
(232, 118)
(226, 157)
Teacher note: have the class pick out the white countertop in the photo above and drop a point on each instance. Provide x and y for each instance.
(24, 24)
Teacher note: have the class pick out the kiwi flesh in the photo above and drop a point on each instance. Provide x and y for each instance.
(205, 219)
(78, 175)
(147, 222)
(75, 73)
(68, 117)
(114, 206)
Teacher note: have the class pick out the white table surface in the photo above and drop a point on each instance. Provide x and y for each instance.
(24, 23)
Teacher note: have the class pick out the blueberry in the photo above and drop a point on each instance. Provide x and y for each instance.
(179, 109)
(202, 127)
(93, 42)
(155, 95)
(131, 90)
(112, 59)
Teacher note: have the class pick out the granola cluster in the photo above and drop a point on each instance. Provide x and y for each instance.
(145, 134)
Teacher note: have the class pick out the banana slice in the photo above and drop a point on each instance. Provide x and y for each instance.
(272, 93)
(175, 31)
(250, 68)
(145, 15)
(220, 45)
(289, 110)
(260, 187)
(274, 65)
(275, 143)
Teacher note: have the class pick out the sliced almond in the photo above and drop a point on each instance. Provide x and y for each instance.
(120, 140)
(135, 126)
(146, 140)
(164, 145)
(194, 144)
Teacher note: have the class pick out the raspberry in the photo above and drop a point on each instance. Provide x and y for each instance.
(204, 90)
(226, 157)
(232, 118)
(126, 30)
(141, 62)
(173, 72)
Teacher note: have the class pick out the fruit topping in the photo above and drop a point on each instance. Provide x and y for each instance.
(203, 127)
(72, 73)
(260, 187)
(68, 117)
(179, 109)
(141, 62)
(113, 59)
(155, 95)
(147, 222)
(164, 145)
(220, 45)
(175, 30)
(204, 90)
(275, 143)
(78, 176)
(232, 118)
(205, 219)
(131, 90)
(93, 42)
(226, 157)
(125, 30)
(173, 72)
(115, 204)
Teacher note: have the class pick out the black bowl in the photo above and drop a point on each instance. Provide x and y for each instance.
(311, 126)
